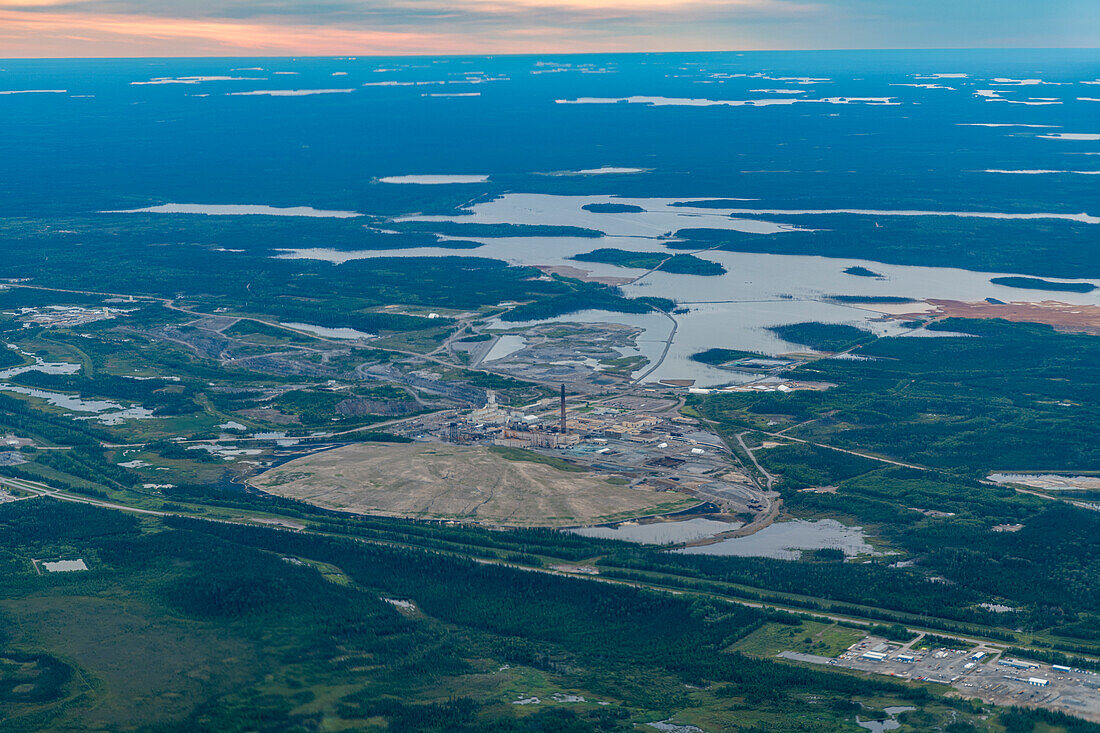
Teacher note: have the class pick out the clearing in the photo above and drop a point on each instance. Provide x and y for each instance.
(440, 481)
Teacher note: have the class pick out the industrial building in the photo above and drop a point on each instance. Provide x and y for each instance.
(510, 438)
(495, 414)
(1018, 664)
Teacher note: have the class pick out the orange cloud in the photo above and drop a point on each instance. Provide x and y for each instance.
(30, 28)
(4, 4)
(143, 35)
(773, 7)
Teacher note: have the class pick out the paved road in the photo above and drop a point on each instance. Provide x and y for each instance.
(44, 490)
(668, 346)
(768, 478)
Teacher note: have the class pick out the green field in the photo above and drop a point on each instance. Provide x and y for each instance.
(184, 625)
(808, 637)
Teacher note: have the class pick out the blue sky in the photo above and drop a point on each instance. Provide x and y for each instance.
(60, 28)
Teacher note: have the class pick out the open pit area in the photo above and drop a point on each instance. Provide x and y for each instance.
(1063, 316)
(468, 483)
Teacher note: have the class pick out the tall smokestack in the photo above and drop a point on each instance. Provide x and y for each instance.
(563, 409)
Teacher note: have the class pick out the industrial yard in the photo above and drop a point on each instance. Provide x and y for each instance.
(580, 462)
(982, 672)
(639, 439)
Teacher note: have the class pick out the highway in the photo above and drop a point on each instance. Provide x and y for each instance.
(43, 490)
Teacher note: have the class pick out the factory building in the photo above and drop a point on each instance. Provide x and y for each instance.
(535, 439)
(496, 414)
(1019, 664)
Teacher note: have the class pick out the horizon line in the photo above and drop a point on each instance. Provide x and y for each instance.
(555, 53)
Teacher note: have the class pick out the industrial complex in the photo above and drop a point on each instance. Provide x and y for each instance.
(639, 437)
(982, 671)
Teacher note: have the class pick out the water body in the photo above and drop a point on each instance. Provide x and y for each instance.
(239, 210)
(505, 346)
(40, 365)
(332, 333)
(1049, 481)
(288, 92)
(787, 540)
(729, 311)
(696, 102)
(1036, 172)
(1083, 218)
(193, 79)
(660, 533)
(1082, 136)
(667, 727)
(105, 411)
(59, 399)
(602, 171)
(659, 217)
(434, 180)
(880, 116)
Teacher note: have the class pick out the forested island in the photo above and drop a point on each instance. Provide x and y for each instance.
(1035, 283)
(677, 264)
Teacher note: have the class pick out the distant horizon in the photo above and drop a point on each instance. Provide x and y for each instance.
(413, 54)
(41, 29)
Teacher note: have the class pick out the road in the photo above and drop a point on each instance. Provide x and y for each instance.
(44, 490)
(868, 456)
(668, 345)
(768, 478)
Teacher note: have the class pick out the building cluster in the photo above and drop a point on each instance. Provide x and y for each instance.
(536, 439)
(597, 425)
(636, 428)
(638, 438)
(65, 316)
(511, 428)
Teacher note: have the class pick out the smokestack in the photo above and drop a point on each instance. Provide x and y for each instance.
(563, 409)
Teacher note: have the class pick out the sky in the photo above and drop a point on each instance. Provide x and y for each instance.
(142, 28)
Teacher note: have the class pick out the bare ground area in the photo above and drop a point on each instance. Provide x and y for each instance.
(581, 274)
(1063, 316)
(441, 481)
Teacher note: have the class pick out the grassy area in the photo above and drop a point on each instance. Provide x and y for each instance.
(808, 637)
(623, 366)
(202, 627)
(530, 456)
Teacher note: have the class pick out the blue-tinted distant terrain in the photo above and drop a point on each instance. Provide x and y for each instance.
(110, 141)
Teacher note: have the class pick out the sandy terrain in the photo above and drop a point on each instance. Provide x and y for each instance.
(1063, 316)
(585, 275)
(457, 482)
